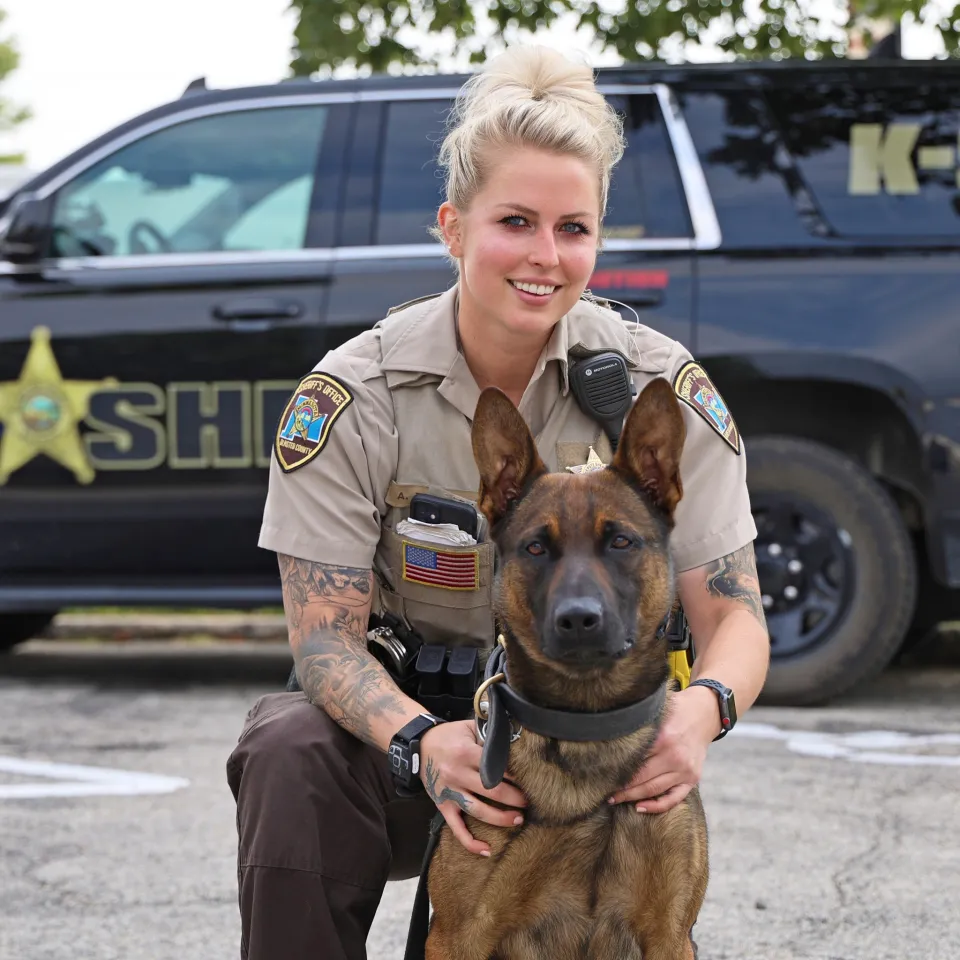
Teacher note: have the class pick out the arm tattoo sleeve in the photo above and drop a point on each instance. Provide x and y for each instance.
(735, 576)
(327, 611)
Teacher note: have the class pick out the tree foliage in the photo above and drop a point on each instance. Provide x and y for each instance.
(377, 34)
(10, 115)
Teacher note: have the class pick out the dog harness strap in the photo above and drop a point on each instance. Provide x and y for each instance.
(496, 730)
(496, 745)
(583, 727)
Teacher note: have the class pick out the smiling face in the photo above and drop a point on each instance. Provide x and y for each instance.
(527, 243)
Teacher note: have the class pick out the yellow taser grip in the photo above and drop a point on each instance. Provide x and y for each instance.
(680, 667)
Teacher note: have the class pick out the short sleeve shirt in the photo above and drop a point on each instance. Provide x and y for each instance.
(412, 400)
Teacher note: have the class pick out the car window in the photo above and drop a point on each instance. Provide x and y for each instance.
(880, 161)
(228, 182)
(646, 196)
(411, 183)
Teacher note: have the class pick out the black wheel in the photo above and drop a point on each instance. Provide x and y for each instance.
(17, 627)
(836, 565)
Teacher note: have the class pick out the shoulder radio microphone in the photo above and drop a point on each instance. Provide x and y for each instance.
(604, 391)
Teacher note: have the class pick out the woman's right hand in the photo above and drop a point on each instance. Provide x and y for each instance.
(450, 770)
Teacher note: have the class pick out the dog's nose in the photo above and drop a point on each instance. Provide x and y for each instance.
(579, 620)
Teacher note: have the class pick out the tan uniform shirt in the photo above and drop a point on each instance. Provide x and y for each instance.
(407, 429)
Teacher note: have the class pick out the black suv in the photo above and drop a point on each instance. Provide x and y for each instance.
(796, 226)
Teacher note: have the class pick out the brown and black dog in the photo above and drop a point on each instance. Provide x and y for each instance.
(585, 582)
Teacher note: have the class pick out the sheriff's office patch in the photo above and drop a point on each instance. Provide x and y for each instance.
(693, 386)
(308, 418)
(436, 567)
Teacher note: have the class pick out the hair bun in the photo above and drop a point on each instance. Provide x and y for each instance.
(530, 73)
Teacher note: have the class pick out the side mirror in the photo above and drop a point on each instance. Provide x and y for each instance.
(27, 237)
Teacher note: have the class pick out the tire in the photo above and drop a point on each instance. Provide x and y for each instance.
(837, 569)
(17, 627)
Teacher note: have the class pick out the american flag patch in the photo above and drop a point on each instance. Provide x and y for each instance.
(439, 568)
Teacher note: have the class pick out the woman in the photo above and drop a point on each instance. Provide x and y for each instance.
(528, 161)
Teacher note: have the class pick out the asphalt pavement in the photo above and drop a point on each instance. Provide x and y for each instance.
(832, 830)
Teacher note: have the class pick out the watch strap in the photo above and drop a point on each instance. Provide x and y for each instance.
(728, 714)
(404, 757)
(417, 727)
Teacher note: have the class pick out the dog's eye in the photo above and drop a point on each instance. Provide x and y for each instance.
(620, 542)
(536, 549)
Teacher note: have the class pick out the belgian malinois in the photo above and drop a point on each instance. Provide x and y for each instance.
(585, 582)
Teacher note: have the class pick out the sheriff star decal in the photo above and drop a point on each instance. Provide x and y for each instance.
(307, 419)
(694, 387)
(41, 413)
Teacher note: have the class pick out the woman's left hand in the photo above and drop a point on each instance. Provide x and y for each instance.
(674, 765)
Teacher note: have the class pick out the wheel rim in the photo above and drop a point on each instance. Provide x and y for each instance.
(806, 570)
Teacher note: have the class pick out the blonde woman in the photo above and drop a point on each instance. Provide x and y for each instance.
(528, 161)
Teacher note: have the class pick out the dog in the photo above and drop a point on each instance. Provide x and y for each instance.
(585, 582)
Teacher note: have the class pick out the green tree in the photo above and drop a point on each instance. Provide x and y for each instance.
(377, 34)
(10, 115)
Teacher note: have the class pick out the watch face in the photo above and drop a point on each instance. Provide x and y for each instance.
(399, 761)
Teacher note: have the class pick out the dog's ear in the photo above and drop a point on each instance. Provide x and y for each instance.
(651, 444)
(505, 452)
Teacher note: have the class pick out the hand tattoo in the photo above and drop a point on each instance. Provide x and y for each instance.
(735, 576)
(328, 608)
(430, 776)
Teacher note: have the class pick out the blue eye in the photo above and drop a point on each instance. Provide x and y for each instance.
(511, 221)
(579, 227)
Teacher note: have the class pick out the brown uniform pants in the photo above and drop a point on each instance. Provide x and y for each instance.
(321, 830)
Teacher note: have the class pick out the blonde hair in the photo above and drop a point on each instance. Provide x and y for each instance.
(534, 97)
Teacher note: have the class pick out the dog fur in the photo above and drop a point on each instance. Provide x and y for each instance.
(580, 879)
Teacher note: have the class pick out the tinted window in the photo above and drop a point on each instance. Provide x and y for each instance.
(880, 162)
(646, 197)
(411, 184)
(234, 181)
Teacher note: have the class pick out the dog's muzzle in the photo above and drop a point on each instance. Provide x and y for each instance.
(581, 633)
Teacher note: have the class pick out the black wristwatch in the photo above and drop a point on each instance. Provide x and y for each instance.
(404, 754)
(728, 706)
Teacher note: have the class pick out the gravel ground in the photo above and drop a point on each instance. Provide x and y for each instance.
(828, 840)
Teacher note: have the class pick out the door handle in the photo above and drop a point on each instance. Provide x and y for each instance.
(248, 309)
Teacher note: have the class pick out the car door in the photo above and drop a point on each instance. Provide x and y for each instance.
(386, 254)
(146, 359)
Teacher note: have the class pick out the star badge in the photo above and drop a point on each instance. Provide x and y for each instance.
(41, 413)
(593, 463)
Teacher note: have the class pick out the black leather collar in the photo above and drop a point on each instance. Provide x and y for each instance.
(504, 705)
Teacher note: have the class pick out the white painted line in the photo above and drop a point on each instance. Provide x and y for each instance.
(864, 746)
(78, 781)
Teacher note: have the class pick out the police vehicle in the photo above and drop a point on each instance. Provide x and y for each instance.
(796, 226)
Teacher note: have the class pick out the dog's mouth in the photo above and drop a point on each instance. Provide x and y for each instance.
(593, 657)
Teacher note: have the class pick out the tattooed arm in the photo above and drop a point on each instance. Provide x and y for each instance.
(722, 602)
(327, 609)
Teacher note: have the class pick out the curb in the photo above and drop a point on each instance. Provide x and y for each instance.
(226, 626)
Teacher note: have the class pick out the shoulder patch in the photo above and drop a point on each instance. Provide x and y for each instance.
(694, 387)
(308, 418)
